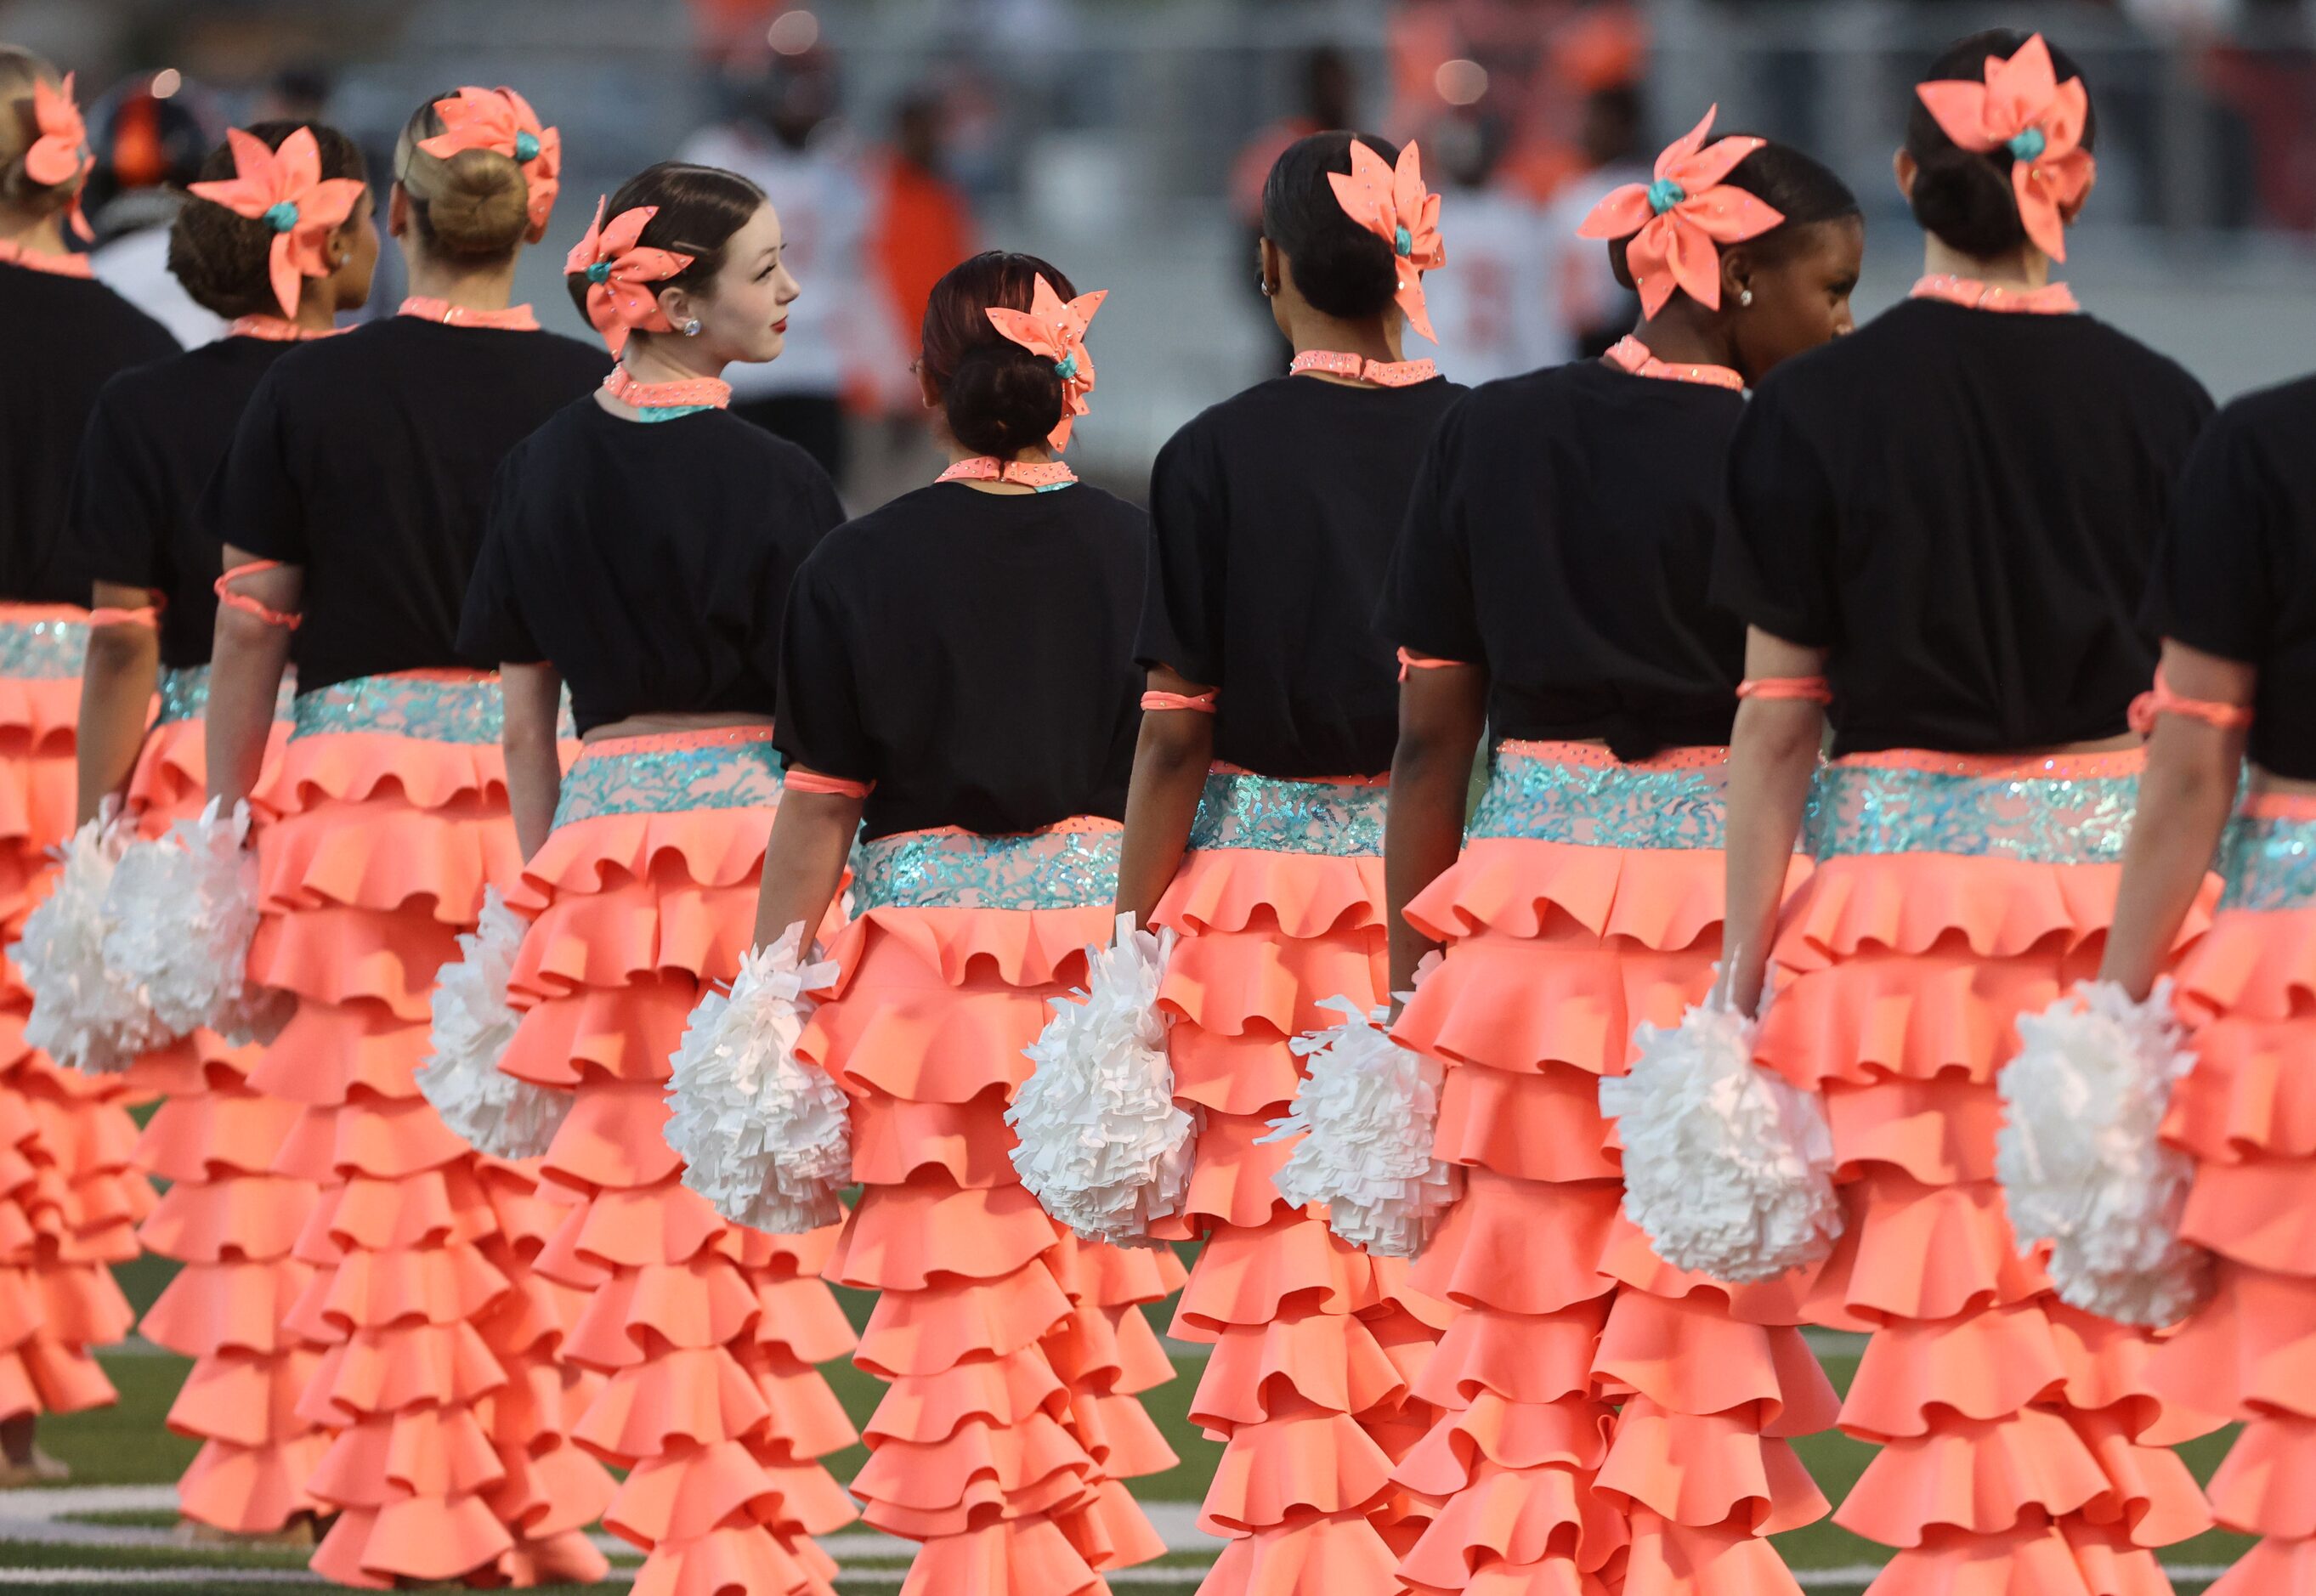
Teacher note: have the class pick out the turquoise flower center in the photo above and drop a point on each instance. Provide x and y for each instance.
(1066, 367)
(599, 271)
(1664, 193)
(2029, 144)
(1402, 241)
(282, 216)
(526, 146)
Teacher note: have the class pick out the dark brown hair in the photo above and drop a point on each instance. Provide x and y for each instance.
(999, 397)
(1343, 269)
(223, 258)
(700, 208)
(1962, 196)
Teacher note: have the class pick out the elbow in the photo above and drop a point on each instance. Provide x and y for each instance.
(1783, 734)
(1174, 742)
(115, 651)
(242, 635)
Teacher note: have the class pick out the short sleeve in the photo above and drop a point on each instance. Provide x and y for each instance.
(255, 502)
(118, 515)
(492, 631)
(1184, 594)
(1775, 563)
(1429, 606)
(818, 725)
(2221, 564)
(804, 510)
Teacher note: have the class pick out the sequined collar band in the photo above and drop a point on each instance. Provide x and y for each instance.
(1382, 373)
(1044, 475)
(1628, 353)
(272, 329)
(13, 253)
(665, 401)
(2054, 299)
(514, 318)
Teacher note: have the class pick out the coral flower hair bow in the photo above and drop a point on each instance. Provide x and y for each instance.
(61, 152)
(1392, 202)
(2023, 108)
(503, 122)
(1055, 330)
(1678, 222)
(285, 189)
(620, 273)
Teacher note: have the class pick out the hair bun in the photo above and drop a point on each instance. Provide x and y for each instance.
(1965, 200)
(1002, 399)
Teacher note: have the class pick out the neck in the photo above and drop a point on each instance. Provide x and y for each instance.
(1374, 338)
(317, 306)
(668, 358)
(484, 288)
(36, 234)
(1683, 332)
(2024, 267)
(1039, 456)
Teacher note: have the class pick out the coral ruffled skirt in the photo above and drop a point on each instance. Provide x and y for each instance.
(1316, 1346)
(440, 1381)
(70, 1198)
(1606, 1423)
(705, 1335)
(228, 1219)
(1014, 1352)
(2248, 1114)
(2023, 1445)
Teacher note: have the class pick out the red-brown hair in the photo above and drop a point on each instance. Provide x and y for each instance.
(1000, 399)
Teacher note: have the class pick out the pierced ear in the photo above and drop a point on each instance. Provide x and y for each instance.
(1736, 277)
(673, 305)
(1270, 264)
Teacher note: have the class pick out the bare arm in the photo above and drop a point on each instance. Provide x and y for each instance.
(2185, 798)
(1171, 759)
(117, 677)
(1442, 712)
(245, 671)
(1773, 753)
(804, 864)
(533, 697)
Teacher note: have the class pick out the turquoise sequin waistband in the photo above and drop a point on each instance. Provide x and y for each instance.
(2267, 862)
(671, 774)
(184, 693)
(1071, 866)
(1240, 809)
(1677, 801)
(42, 650)
(427, 707)
(2063, 817)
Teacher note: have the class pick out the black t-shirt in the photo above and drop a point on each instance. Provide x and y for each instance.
(2236, 572)
(972, 654)
(1962, 506)
(1275, 514)
(367, 459)
(66, 336)
(152, 443)
(648, 561)
(1559, 535)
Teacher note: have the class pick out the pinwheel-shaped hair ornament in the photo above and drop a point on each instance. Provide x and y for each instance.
(284, 188)
(1677, 223)
(61, 152)
(2023, 108)
(620, 273)
(1055, 330)
(503, 122)
(1392, 202)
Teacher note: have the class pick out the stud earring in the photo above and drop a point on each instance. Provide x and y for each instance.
(1263, 283)
(691, 328)
(1744, 297)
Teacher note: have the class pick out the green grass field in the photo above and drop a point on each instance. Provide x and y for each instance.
(128, 1446)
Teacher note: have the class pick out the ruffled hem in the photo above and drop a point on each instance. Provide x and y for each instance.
(1299, 896)
(1665, 899)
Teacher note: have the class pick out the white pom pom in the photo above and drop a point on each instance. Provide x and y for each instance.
(2080, 1159)
(179, 917)
(765, 1137)
(1728, 1169)
(1100, 1144)
(86, 1014)
(1366, 1112)
(496, 1113)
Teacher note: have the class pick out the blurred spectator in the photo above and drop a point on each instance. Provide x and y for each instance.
(1328, 91)
(785, 138)
(920, 224)
(1592, 309)
(1492, 303)
(298, 94)
(149, 133)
